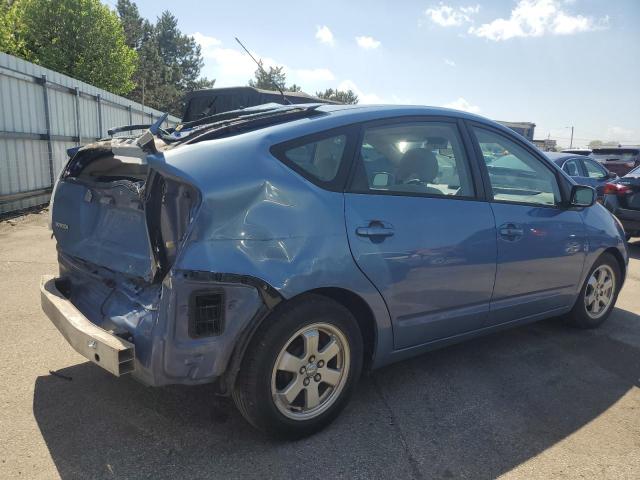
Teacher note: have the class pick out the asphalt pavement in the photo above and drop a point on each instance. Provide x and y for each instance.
(541, 401)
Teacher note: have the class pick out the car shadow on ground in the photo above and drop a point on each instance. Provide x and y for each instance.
(476, 409)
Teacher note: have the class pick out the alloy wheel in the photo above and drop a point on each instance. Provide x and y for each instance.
(600, 291)
(310, 371)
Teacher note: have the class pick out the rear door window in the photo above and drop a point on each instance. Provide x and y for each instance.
(413, 158)
(594, 170)
(572, 168)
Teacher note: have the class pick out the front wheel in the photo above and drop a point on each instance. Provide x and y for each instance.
(300, 368)
(598, 295)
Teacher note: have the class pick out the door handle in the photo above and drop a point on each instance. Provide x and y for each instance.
(511, 231)
(375, 229)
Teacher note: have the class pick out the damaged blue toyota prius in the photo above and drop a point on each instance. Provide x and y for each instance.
(279, 251)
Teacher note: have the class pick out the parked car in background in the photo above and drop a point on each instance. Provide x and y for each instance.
(577, 151)
(622, 198)
(620, 160)
(584, 170)
(278, 252)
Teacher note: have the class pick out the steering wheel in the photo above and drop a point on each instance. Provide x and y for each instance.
(413, 181)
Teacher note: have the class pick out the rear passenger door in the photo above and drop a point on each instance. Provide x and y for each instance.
(541, 244)
(417, 229)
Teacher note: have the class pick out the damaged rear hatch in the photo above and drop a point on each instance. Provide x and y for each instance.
(120, 206)
(113, 209)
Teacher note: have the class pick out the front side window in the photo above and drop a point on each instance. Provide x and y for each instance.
(594, 170)
(413, 158)
(516, 175)
(320, 159)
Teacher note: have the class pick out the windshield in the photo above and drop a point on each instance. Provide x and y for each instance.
(620, 153)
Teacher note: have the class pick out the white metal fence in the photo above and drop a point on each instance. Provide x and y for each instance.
(42, 113)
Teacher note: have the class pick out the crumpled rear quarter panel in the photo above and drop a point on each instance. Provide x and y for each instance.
(260, 218)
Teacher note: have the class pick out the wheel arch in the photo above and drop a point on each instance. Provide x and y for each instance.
(618, 256)
(361, 312)
(353, 302)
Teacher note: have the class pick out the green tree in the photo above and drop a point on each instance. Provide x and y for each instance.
(169, 62)
(273, 79)
(80, 38)
(8, 41)
(342, 96)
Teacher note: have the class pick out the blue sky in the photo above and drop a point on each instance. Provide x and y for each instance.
(556, 63)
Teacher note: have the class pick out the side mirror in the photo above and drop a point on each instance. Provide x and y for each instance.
(381, 180)
(612, 175)
(582, 196)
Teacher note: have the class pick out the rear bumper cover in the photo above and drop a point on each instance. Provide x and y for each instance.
(106, 350)
(156, 348)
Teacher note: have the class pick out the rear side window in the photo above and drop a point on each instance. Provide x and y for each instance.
(320, 159)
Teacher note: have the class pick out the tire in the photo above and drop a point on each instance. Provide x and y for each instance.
(584, 313)
(284, 343)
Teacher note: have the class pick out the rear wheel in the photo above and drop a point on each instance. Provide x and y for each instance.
(300, 368)
(598, 295)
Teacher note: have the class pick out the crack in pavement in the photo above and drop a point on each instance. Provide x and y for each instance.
(415, 466)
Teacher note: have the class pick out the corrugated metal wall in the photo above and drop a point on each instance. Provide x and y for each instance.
(42, 113)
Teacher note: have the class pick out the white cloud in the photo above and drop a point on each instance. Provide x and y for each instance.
(620, 134)
(462, 104)
(232, 67)
(447, 16)
(314, 74)
(368, 98)
(449, 62)
(535, 18)
(205, 41)
(364, 98)
(324, 35)
(367, 42)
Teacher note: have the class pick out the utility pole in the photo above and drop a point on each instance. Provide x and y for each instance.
(571, 142)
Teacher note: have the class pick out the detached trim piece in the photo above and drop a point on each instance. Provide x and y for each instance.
(110, 352)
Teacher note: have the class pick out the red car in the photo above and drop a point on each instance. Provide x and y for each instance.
(620, 160)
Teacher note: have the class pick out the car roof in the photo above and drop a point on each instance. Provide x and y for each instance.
(325, 117)
(385, 110)
(560, 157)
(343, 115)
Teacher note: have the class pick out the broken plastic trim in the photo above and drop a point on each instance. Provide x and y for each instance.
(153, 127)
(270, 296)
(237, 125)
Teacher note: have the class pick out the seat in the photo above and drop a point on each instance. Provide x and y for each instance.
(572, 169)
(419, 166)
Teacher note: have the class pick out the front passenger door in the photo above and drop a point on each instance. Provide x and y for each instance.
(541, 244)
